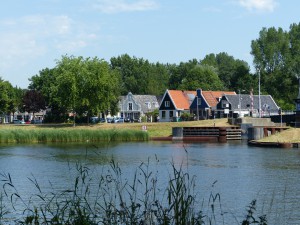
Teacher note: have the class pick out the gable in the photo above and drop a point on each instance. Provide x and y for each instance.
(165, 99)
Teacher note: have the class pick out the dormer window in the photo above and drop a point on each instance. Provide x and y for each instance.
(148, 104)
(167, 103)
(130, 106)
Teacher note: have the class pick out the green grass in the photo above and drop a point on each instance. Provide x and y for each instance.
(42, 135)
(93, 133)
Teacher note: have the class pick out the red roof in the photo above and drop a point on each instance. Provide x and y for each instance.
(212, 97)
(182, 99)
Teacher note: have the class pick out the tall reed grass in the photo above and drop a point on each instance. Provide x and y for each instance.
(118, 201)
(69, 135)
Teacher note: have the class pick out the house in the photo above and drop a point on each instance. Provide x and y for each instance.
(205, 102)
(136, 106)
(174, 103)
(242, 104)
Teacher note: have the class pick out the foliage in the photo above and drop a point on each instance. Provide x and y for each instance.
(250, 218)
(234, 73)
(277, 58)
(186, 117)
(179, 72)
(82, 85)
(202, 76)
(8, 101)
(33, 101)
(139, 76)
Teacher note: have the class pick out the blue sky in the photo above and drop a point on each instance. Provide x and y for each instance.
(36, 33)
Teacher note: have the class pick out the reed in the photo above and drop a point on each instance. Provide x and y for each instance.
(69, 135)
(115, 200)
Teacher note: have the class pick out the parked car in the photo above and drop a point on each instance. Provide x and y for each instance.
(19, 122)
(94, 119)
(36, 121)
(127, 120)
(120, 120)
(115, 120)
(101, 120)
(109, 120)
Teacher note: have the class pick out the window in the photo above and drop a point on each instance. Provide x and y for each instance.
(167, 103)
(225, 104)
(155, 104)
(171, 114)
(163, 114)
(198, 101)
(130, 106)
(148, 104)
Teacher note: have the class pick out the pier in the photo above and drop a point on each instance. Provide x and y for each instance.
(206, 134)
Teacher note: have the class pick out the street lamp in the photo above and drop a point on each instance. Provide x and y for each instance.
(240, 107)
(259, 101)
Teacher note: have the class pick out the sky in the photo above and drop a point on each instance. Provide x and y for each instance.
(35, 34)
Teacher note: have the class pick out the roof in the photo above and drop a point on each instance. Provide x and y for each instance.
(267, 102)
(182, 99)
(142, 100)
(212, 97)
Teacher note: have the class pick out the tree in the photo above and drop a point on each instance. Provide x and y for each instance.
(179, 72)
(9, 100)
(44, 83)
(139, 76)
(86, 86)
(232, 72)
(276, 55)
(33, 101)
(202, 76)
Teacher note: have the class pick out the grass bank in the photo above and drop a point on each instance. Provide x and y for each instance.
(115, 132)
(291, 135)
(163, 129)
(40, 135)
(93, 133)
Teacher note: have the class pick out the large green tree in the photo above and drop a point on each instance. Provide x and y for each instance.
(202, 76)
(179, 72)
(234, 74)
(85, 86)
(276, 57)
(139, 76)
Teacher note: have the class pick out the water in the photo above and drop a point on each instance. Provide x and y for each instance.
(239, 173)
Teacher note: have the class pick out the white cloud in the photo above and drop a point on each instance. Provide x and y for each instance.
(25, 39)
(32, 36)
(259, 5)
(116, 6)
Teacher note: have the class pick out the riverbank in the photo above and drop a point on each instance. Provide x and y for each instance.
(145, 130)
(285, 139)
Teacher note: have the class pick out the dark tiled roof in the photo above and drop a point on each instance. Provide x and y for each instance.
(143, 99)
(266, 101)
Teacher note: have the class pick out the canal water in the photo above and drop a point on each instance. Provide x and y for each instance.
(233, 171)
